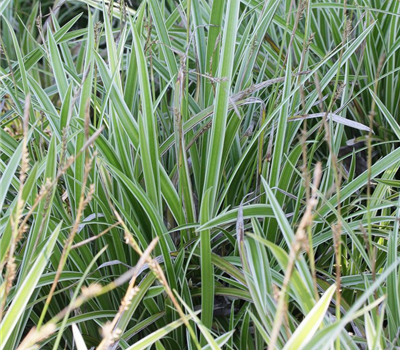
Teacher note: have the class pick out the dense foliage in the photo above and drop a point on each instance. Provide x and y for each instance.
(199, 174)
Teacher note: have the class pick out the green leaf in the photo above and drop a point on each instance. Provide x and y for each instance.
(26, 289)
(3, 6)
(157, 335)
(394, 126)
(307, 328)
(148, 137)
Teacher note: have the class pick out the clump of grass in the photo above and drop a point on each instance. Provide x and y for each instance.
(156, 174)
